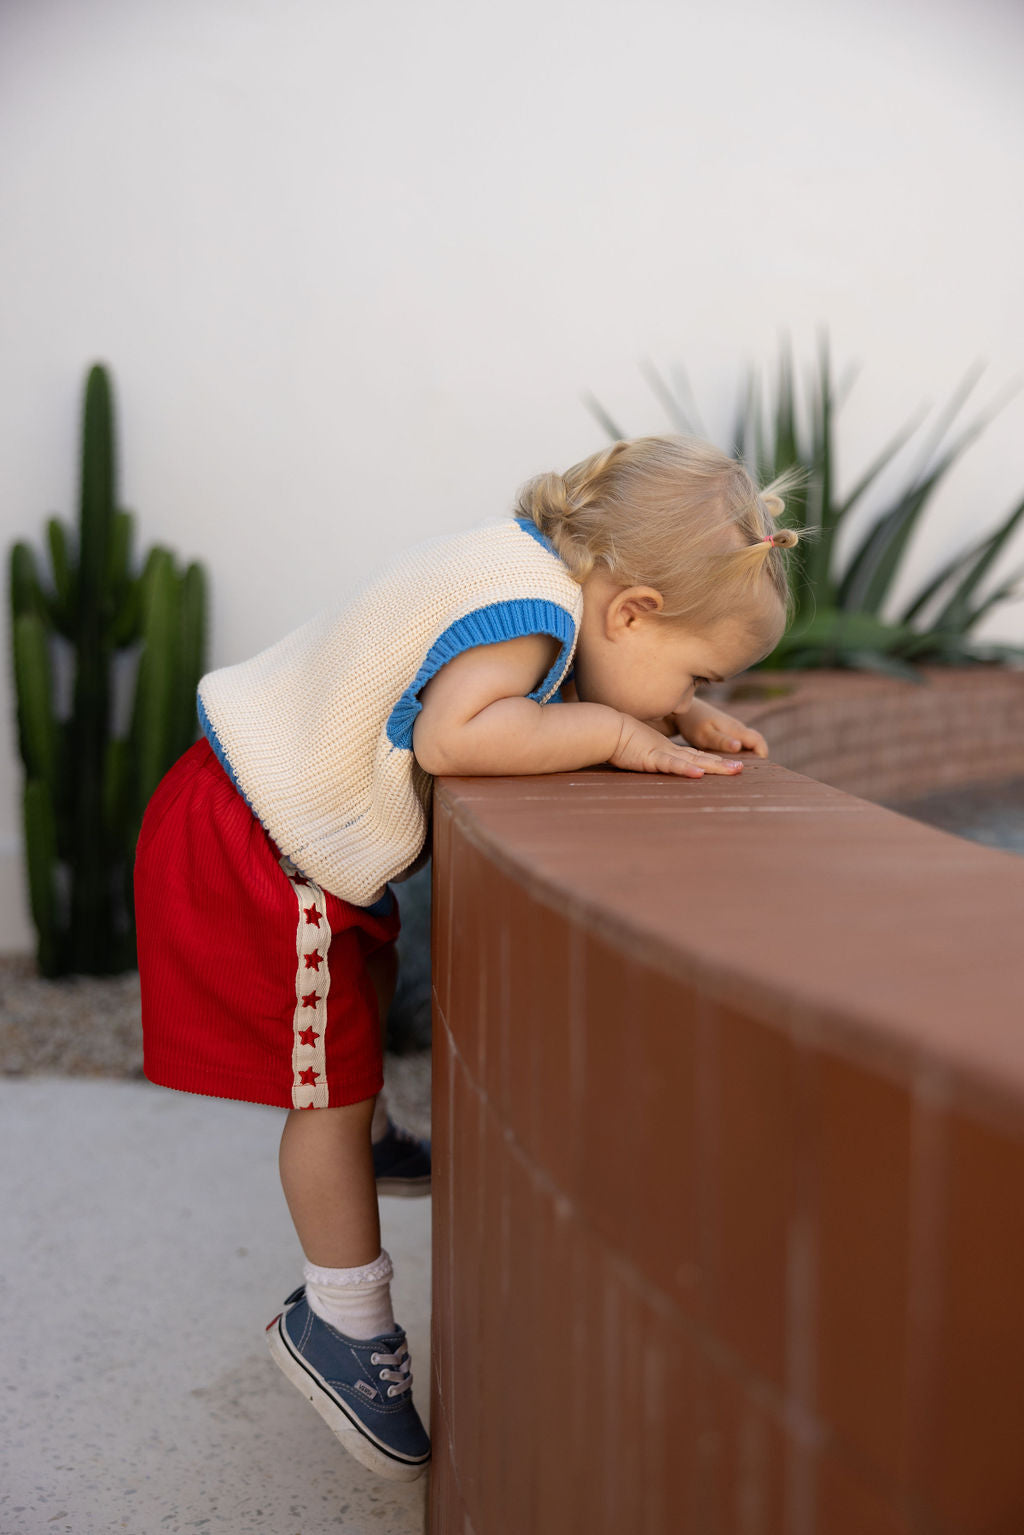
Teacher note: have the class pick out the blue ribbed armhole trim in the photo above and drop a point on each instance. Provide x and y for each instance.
(218, 750)
(486, 626)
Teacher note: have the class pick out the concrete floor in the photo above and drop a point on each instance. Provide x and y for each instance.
(144, 1246)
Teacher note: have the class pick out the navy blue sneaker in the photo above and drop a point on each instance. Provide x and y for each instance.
(361, 1387)
(401, 1163)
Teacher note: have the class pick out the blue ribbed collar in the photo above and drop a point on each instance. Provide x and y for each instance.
(535, 532)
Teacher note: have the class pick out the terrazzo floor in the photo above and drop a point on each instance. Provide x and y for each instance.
(144, 1246)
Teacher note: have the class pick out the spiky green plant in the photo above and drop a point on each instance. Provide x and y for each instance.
(85, 786)
(838, 619)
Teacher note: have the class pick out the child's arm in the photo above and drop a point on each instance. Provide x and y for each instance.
(476, 719)
(702, 725)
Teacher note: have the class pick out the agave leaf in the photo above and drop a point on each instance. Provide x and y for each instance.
(956, 610)
(1009, 592)
(794, 660)
(888, 665)
(679, 403)
(957, 649)
(673, 409)
(870, 572)
(940, 649)
(683, 391)
(816, 582)
(929, 642)
(872, 568)
(875, 468)
(891, 556)
(1001, 654)
(742, 421)
(602, 417)
(762, 453)
(943, 576)
(787, 450)
(846, 384)
(947, 416)
(825, 468)
(836, 629)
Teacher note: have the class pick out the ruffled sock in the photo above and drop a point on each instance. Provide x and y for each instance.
(356, 1301)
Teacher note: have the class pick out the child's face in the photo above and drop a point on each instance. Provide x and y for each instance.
(633, 660)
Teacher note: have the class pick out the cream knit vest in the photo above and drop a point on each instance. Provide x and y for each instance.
(316, 731)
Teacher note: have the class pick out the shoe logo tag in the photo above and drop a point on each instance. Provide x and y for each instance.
(365, 1387)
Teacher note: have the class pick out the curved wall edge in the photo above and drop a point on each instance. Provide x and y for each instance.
(728, 1141)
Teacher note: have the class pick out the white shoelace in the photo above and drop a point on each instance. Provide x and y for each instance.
(403, 1374)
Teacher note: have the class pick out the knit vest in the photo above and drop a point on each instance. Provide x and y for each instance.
(316, 731)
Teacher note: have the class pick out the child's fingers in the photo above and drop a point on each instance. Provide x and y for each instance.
(712, 764)
(740, 740)
(693, 763)
(754, 741)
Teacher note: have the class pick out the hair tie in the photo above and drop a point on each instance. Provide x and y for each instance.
(769, 538)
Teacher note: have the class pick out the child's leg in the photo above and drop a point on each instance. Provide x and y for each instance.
(326, 1164)
(327, 1173)
(360, 1383)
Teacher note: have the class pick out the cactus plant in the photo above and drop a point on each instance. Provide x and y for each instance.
(86, 786)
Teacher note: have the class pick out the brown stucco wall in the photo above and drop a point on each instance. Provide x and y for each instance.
(729, 1154)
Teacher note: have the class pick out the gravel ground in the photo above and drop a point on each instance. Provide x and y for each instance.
(89, 1026)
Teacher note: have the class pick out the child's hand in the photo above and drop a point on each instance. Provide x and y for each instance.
(713, 730)
(643, 749)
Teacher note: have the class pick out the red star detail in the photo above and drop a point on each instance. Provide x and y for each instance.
(297, 879)
(305, 1106)
(308, 1077)
(308, 1037)
(313, 961)
(311, 915)
(310, 999)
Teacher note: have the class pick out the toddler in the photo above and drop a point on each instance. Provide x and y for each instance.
(266, 917)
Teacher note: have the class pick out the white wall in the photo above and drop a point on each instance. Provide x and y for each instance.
(354, 265)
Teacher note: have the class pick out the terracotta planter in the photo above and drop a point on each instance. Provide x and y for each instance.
(885, 739)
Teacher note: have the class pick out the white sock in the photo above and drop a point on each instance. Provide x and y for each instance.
(379, 1122)
(355, 1301)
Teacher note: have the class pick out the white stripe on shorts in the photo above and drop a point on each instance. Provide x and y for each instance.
(312, 983)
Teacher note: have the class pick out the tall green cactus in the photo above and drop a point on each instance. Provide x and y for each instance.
(86, 787)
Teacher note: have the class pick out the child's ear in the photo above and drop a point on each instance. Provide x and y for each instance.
(633, 604)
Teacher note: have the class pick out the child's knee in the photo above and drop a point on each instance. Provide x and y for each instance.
(340, 1120)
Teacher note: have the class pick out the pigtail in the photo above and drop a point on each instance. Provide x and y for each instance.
(758, 513)
(552, 502)
(544, 500)
(770, 501)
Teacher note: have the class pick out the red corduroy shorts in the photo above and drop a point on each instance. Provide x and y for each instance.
(254, 980)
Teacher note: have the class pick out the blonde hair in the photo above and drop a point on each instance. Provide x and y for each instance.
(656, 512)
